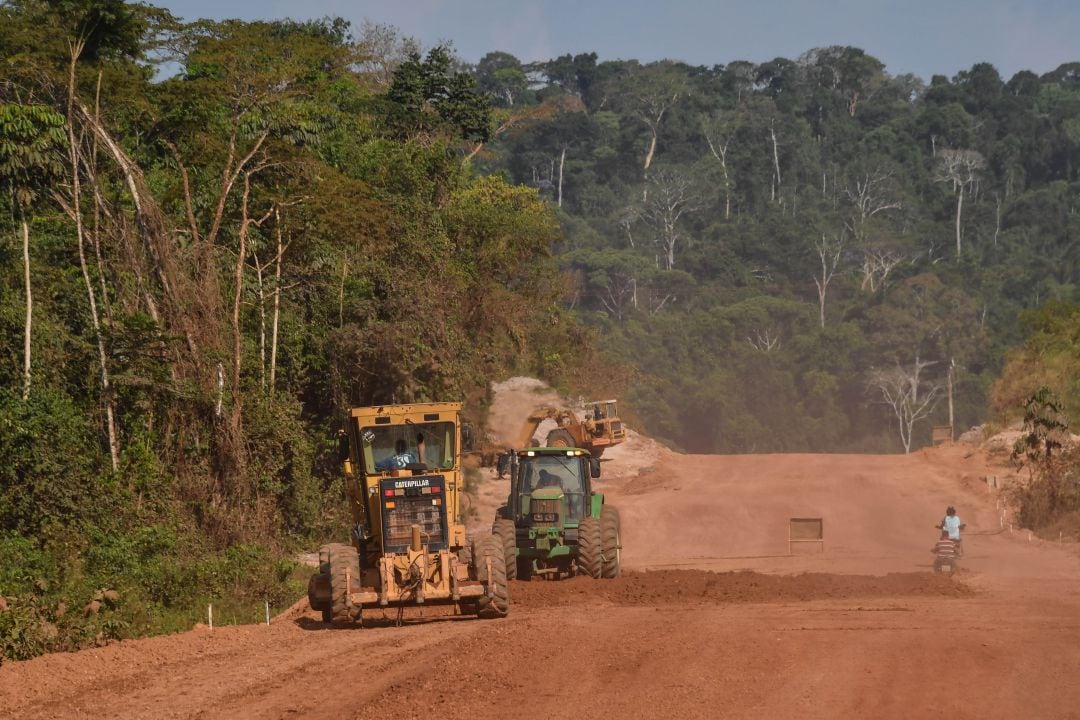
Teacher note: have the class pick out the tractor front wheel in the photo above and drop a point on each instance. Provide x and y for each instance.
(503, 530)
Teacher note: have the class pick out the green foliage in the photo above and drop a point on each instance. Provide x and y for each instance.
(31, 140)
(1049, 358)
(1045, 428)
(364, 260)
(431, 98)
(52, 478)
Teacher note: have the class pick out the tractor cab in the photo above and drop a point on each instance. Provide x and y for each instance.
(551, 485)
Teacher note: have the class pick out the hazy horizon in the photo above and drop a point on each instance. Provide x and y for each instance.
(920, 37)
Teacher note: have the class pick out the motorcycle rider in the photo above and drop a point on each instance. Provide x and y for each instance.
(952, 524)
(945, 552)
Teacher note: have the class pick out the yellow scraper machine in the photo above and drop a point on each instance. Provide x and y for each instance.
(404, 483)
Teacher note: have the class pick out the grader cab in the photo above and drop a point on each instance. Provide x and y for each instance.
(404, 483)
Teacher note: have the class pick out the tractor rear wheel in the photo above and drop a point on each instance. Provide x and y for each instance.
(344, 565)
(610, 542)
(590, 550)
(503, 530)
(560, 438)
(497, 603)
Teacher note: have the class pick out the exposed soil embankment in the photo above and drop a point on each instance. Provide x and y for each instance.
(681, 587)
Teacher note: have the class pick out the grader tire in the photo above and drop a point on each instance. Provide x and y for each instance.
(503, 530)
(344, 567)
(324, 569)
(496, 605)
(610, 542)
(590, 550)
(560, 438)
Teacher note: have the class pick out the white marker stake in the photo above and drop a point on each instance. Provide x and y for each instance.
(210, 615)
(267, 611)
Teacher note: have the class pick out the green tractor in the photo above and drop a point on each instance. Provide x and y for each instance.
(553, 525)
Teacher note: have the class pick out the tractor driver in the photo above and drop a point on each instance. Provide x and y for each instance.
(548, 479)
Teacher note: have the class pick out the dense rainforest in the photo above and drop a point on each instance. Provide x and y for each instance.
(804, 254)
(220, 235)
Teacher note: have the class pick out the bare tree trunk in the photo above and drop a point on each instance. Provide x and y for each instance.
(959, 205)
(80, 232)
(645, 169)
(96, 235)
(721, 155)
(997, 218)
(562, 161)
(949, 386)
(776, 159)
(262, 323)
(29, 307)
(277, 308)
(237, 294)
(830, 259)
(650, 153)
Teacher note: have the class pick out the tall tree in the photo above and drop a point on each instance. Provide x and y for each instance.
(962, 169)
(31, 139)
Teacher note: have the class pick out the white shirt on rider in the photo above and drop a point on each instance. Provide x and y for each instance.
(952, 524)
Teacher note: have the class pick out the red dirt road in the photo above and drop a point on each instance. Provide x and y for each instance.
(862, 630)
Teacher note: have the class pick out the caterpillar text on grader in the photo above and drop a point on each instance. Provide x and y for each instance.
(553, 524)
(403, 484)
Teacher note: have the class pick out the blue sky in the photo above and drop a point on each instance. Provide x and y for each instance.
(917, 36)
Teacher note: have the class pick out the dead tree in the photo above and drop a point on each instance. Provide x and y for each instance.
(876, 266)
(764, 342)
(672, 197)
(961, 168)
(869, 194)
(829, 252)
(718, 131)
(908, 396)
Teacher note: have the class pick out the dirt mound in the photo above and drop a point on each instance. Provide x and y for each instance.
(514, 400)
(680, 587)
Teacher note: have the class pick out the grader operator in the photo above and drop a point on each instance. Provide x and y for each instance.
(403, 481)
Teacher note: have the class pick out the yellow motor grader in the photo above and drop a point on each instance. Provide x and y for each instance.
(404, 483)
